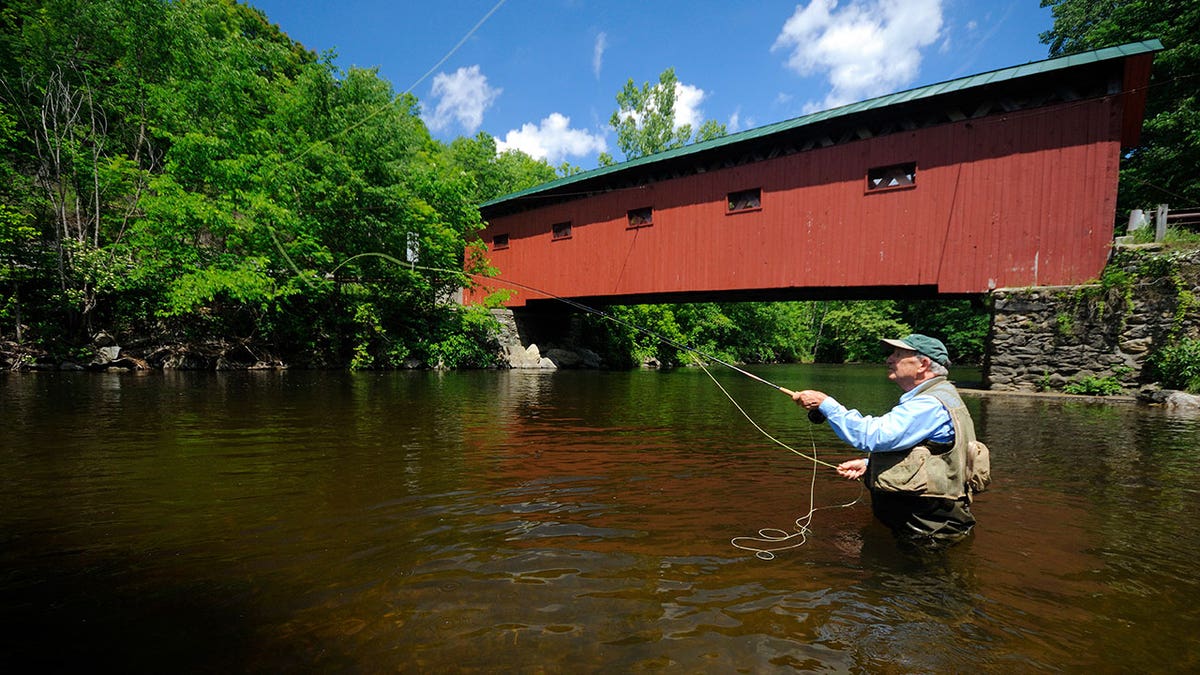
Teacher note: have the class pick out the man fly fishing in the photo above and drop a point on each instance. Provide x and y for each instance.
(923, 460)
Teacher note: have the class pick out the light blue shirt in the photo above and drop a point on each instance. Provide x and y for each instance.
(913, 420)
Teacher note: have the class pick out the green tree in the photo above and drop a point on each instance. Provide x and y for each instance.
(205, 262)
(202, 177)
(961, 324)
(746, 332)
(1161, 169)
(498, 174)
(850, 330)
(645, 119)
(72, 76)
(18, 237)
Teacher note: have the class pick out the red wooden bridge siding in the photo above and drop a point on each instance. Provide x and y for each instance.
(1008, 199)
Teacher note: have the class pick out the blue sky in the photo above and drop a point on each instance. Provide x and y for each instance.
(542, 75)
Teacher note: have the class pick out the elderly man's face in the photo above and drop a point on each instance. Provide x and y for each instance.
(906, 367)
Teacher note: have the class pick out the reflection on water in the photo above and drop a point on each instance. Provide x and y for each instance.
(577, 520)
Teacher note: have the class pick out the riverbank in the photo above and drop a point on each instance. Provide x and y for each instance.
(1095, 339)
(106, 355)
(1150, 395)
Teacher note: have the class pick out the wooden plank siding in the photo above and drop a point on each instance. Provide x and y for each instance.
(1006, 199)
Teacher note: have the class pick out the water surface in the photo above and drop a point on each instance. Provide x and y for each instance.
(569, 521)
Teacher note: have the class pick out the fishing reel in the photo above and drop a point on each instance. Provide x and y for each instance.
(816, 416)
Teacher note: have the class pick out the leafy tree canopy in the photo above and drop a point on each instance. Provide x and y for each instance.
(185, 171)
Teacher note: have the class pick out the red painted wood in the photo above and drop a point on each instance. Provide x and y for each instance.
(1019, 199)
(1137, 80)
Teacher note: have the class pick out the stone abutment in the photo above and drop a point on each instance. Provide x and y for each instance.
(1046, 338)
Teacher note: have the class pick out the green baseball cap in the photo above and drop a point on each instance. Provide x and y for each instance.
(923, 345)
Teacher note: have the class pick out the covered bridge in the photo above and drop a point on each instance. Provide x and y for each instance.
(1002, 179)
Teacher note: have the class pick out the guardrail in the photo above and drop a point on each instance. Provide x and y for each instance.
(1164, 217)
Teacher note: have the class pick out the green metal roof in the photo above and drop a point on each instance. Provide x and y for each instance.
(929, 91)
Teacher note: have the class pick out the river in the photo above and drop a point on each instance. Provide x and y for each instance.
(574, 521)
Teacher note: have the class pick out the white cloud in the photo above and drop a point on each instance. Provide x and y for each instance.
(738, 123)
(687, 106)
(867, 48)
(461, 97)
(598, 53)
(552, 139)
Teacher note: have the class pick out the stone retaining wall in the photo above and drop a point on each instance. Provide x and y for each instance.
(1047, 337)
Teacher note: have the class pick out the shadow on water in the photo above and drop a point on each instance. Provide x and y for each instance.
(84, 613)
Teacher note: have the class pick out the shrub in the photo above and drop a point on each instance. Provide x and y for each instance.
(1177, 365)
(469, 339)
(1094, 386)
(1043, 383)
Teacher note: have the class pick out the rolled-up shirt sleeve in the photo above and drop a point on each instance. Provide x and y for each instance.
(913, 420)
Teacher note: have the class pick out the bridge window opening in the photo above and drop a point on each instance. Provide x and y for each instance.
(641, 217)
(894, 177)
(745, 200)
(561, 230)
(499, 241)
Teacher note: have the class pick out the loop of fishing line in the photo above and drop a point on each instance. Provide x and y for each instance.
(771, 540)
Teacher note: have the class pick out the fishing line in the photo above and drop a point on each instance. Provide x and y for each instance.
(455, 48)
(771, 540)
(764, 432)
